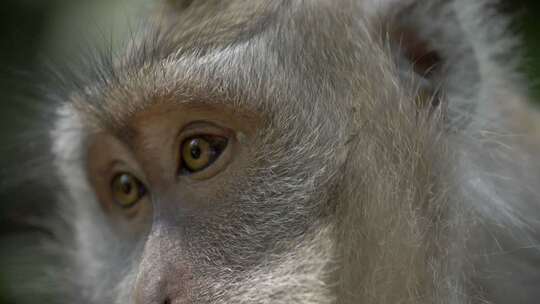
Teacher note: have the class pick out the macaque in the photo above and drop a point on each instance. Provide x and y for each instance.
(289, 151)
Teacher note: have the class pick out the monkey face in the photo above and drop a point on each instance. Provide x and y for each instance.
(204, 194)
(171, 186)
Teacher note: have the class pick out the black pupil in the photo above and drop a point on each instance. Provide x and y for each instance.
(126, 183)
(195, 149)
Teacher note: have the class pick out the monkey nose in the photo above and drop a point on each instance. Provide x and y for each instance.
(161, 282)
(150, 288)
(161, 277)
(160, 287)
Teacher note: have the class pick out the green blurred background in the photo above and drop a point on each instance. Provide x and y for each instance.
(38, 31)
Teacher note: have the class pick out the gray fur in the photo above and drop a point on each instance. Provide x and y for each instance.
(356, 194)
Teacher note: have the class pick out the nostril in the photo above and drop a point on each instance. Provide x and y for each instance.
(167, 301)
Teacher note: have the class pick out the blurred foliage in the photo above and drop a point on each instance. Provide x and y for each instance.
(530, 26)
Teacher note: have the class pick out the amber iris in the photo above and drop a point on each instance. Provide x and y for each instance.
(127, 190)
(197, 153)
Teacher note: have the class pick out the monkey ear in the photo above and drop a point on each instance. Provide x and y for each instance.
(453, 48)
(418, 62)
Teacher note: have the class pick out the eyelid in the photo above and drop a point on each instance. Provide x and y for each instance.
(202, 128)
(196, 128)
(117, 167)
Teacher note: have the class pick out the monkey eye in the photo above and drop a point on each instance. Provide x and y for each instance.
(199, 152)
(127, 190)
